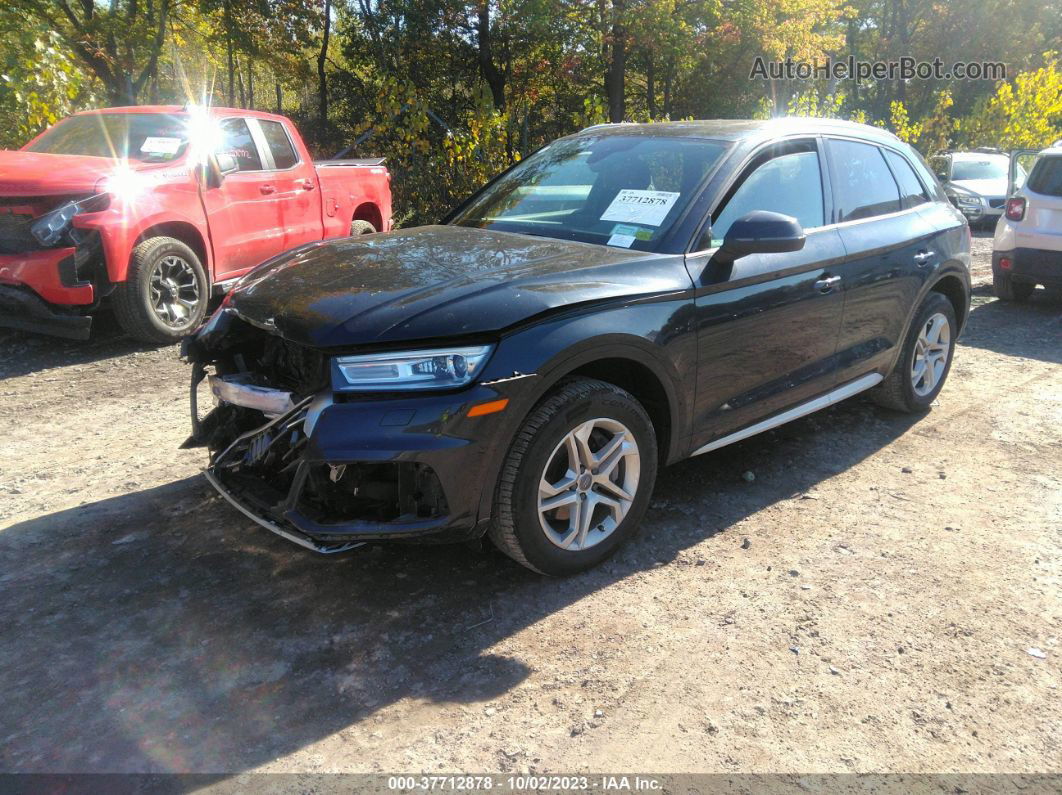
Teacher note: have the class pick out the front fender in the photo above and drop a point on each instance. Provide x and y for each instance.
(656, 334)
(120, 228)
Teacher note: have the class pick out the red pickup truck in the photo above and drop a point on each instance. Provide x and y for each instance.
(153, 209)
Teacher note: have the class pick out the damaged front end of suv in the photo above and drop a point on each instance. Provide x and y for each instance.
(310, 444)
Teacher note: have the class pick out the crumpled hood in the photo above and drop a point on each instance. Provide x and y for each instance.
(437, 281)
(42, 174)
(982, 187)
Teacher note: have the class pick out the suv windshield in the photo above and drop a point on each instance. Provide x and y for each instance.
(624, 191)
(147, 137)
(994, 168)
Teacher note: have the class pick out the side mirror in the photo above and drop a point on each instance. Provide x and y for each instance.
(214, 168)
(761, 232)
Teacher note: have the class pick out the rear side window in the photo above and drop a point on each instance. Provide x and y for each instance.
(236, 140)
(911, 191)
(864, 185)
(279, 144)
(790, 184)
(1046, 177)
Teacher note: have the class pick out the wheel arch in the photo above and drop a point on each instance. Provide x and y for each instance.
(954, 289)
(185, 232)
(368, 211)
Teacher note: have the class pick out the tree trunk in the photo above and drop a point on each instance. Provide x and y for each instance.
(495, 77)
(322, 79)
(228, 47)
(669, 71)
(650, 84)
(280, 97)
(250, 83)
(615, 74)
(239, 83)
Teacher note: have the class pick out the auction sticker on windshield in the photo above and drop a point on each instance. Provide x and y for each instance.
(154, 145)
(648, 207)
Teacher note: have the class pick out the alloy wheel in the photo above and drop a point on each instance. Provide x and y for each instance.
(174, 291)
(589, 483)
(931, 354)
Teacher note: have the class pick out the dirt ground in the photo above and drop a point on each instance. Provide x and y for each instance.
(868, 602)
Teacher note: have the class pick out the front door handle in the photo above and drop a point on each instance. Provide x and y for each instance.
(923, 257)
(268, 189)
(827, 284)
(307, 184)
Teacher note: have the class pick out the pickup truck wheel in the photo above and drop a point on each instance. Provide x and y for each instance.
(165, 295)
(924, 364)
(577, 479)
(361, 228)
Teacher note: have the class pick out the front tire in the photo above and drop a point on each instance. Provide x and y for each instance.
(577, 480)
(165, 294)
(925, 362)
(1006, 289)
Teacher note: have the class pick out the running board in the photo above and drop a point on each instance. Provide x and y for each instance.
(821, 402)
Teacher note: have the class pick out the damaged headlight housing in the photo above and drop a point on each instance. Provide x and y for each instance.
(439, 368)
(50, 227)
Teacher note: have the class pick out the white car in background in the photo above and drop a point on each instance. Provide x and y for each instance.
(1027, 248)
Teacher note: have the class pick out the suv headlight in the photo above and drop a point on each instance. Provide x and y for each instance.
(438, 368)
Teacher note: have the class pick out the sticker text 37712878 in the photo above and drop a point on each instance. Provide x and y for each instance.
(649, 207)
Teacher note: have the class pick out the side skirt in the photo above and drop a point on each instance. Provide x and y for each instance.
(823, 401)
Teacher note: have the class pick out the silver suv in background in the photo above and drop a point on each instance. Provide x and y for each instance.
(976, 182)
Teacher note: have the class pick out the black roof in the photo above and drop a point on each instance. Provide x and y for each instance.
(746, 129)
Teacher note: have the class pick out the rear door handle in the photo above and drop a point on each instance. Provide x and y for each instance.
(268, 189)
(923, 257)
(827, 284)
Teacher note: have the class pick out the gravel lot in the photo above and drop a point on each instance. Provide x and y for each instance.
(882, 596)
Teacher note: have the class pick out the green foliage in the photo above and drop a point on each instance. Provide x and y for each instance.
(1023, 114)
(39, 84)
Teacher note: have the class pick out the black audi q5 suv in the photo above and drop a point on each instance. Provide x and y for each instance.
(624, 298)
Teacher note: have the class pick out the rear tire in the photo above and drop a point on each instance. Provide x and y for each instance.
(1006, 289)
(165, 293)
(925, 361)
(358, 227)
(591, 518)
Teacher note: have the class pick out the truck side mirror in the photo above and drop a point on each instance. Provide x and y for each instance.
(227, 163)
(213, 169)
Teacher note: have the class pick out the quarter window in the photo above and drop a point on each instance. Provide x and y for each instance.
(279, 144)
(911, 191)
(864, 185)
(789, 183)
(236, 140)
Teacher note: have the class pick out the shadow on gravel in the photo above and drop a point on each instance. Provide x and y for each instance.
(22, 353)
(1032, 328)
(160, 631)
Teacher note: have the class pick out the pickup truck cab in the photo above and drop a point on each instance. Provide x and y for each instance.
(151, 209)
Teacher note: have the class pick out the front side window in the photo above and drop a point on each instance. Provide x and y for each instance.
(789, 183)
(236, 140)
(618, 190)
(864, 185)
(144, 137)
(279, 144)
(911, 191)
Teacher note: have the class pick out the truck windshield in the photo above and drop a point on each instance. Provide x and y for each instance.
(619, 190)
(146, 137)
